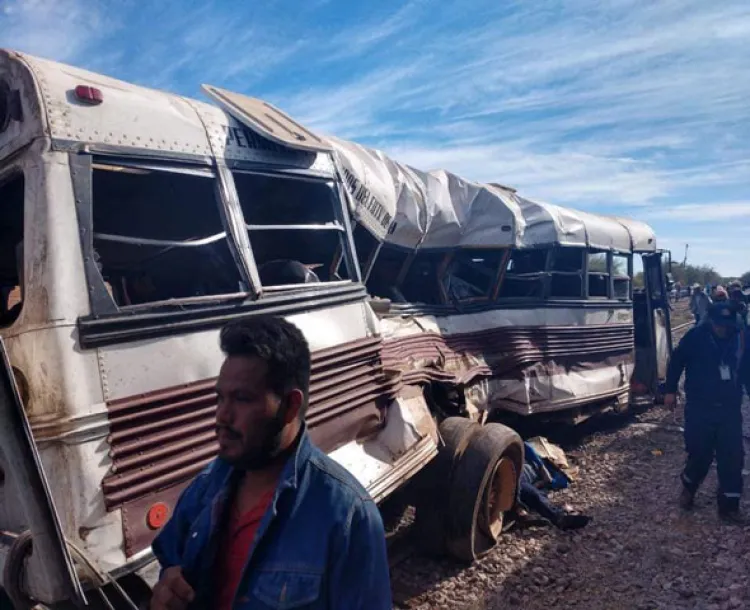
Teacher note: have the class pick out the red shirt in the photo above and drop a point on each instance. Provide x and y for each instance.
(237, 539)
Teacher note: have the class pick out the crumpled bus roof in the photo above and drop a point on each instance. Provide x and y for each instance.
(429, 210)
(438, 209)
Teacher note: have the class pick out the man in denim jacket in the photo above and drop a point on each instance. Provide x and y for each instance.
(273, 522)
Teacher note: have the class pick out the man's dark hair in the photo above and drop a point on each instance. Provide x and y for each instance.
(280, 344)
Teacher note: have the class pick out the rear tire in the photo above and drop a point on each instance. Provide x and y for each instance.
(473, 482)
(484, 486)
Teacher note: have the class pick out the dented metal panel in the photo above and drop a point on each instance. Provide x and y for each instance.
(516, 360)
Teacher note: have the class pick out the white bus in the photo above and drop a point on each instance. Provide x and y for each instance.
(133, 225)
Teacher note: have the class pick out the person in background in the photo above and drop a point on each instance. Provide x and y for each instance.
(272, 522)
(737, 298)
(699, 303)
(716, 364)
(719, 294)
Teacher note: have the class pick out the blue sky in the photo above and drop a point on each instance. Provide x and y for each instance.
(632, 107)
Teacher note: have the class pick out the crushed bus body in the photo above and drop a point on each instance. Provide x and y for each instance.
(522, 308)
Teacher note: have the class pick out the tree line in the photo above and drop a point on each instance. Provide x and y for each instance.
(687, 275)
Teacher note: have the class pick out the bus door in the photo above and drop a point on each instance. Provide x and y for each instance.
(653, 328)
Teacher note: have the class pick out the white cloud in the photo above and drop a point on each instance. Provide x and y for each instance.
(625, 102)
(56, 29)
(709, 211)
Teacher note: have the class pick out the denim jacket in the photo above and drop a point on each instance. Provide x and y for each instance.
(320, 545)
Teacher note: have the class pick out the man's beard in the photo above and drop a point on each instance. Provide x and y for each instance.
(270, 448)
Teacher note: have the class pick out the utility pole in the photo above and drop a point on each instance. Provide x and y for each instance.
(684, 260)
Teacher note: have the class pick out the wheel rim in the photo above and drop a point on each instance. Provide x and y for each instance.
(499, 498)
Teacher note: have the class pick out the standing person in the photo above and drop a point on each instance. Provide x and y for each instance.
(699, 303)
(272, 522)
(737, 298)
(720, 294)
(716, 367)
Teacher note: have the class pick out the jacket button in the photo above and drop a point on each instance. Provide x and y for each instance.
(195, 534)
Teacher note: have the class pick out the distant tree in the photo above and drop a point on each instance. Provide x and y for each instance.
(695, 274)
(638, 280)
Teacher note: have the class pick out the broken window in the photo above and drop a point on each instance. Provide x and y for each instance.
(598, 271)
(525, 273)
(158, 233)
(11, 248)
(295, 229)
(567, 271)
(621, 271)
(386, 273)
(422, 282)
(472, 274)
(366, 247)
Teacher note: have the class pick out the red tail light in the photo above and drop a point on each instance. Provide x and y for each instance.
(89, 95)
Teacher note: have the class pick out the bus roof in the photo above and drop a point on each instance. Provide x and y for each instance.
(438, 209)
(129, 119)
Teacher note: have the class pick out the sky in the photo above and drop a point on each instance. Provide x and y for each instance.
(628, 107)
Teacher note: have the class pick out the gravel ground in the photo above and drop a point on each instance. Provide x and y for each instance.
(640, 552)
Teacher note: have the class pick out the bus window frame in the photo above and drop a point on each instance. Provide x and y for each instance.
(13, 170)
(629, 275)
(102, 305)
(541, 276)
(494, 287)
(581, 273)
(589, 273)
(345, 250)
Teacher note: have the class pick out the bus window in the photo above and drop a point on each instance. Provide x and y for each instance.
(384, 278)
(472, 274)
(366, 246)
(621, 270)
(158, 235)
(598, 271)
(293, 222)
(11, 248)
(422, 284)
(524, 276)
(567, 273)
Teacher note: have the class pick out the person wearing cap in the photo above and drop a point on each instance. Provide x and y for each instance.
(699, 303)
(717, 368)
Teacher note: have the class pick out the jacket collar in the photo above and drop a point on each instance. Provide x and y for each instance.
(293, 466)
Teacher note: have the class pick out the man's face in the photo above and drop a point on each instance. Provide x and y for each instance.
(250, 417)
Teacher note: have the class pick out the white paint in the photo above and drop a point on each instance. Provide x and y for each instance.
(392, 327)
(387, 455)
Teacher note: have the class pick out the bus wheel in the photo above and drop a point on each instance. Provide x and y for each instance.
(483, 487)
(433, 485)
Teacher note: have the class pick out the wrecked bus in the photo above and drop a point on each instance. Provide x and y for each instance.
(506, 308)
(133, 225)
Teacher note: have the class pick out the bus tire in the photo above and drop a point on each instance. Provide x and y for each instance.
(434, 486)
(483, 486)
